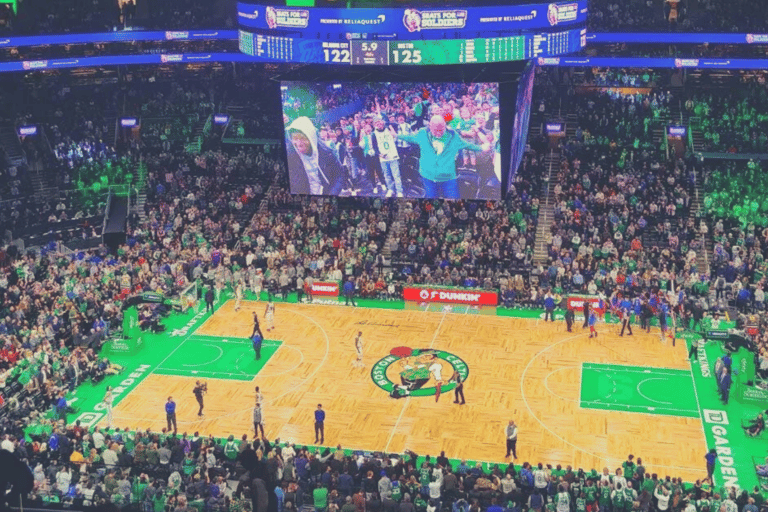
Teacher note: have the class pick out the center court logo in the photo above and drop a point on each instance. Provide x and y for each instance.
(417, 372)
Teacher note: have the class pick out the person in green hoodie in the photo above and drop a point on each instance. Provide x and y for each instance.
(437, 165)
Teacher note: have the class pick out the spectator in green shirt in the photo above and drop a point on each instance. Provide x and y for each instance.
(320, 497)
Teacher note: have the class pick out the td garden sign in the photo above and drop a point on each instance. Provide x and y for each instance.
(418, 372)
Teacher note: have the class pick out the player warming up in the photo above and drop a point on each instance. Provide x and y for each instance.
(238, 295)
(269, 314)
(359, 349)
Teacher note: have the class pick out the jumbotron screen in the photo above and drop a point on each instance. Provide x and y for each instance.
(393, 139)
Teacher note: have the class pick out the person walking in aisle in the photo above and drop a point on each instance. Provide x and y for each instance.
(170, 414)
(511, 435)
(320, 424)
(258, 419)
(458, 391)
(108, 400)
(61, 407)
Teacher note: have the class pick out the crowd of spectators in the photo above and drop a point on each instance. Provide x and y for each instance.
(621, 218)
(38, 16)
(470, 243)
(676, 15)
(622, 209)
(733, 120)
(78, 467)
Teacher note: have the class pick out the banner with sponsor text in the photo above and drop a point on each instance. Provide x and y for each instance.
(451, 296)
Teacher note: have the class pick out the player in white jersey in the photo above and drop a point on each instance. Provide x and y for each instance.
(108, 401)
(257, 282)
(238, 295)
(385, 146)
(359, 349)
(436, 370)
(269, 314)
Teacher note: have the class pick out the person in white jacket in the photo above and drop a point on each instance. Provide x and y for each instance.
(63, 479)
(662, 495)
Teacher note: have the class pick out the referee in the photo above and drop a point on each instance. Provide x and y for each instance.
(458, 391)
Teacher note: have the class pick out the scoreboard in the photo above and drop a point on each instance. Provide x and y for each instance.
(411, 36)
(399, 23)
(379, 52)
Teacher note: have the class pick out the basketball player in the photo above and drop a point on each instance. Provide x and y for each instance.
(625, 323)
(359, 349)
(436, 369)
(258, 419)
(592, 323)
(257, 282)
(259, 396)
(269, 313)
(108, 401)
(256, 327)
(238, 295)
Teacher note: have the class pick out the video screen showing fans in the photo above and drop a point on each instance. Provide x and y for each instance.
(434, 140)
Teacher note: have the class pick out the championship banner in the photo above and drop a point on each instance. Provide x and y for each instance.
(451, 296)
(323, 289)
(576, 302)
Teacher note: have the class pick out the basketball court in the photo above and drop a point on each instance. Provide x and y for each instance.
(579, 401)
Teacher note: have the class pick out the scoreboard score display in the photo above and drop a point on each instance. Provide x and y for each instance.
(410, 36)
(280, 48)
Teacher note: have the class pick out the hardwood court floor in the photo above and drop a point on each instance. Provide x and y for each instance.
(519, 369)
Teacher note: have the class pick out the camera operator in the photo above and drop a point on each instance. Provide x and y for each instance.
(199, 391)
